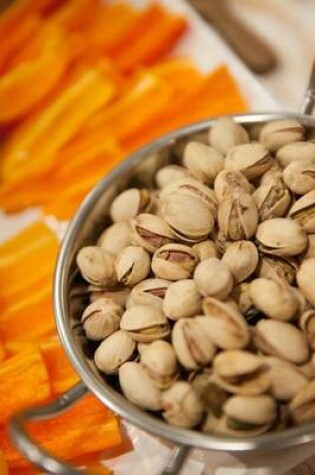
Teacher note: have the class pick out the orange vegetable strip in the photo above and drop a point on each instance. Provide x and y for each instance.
(75, 14)
(32, 232)
(23, 382)
(3, 465)
(2, 357)
(20, 194)
(180, 73)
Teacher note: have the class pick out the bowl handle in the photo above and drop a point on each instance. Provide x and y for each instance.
(309, 97)
(28, 447)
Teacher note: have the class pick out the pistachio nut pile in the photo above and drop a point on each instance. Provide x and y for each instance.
(202, 290)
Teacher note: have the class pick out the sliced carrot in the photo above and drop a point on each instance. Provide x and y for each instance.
(4, 470)
(18, 194)
(2, 354)
(32, 232)
(180, 73)
(75, 14)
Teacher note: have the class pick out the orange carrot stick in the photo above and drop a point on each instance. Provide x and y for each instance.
(32, 232)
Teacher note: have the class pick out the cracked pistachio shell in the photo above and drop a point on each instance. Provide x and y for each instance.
(311, 246)
(97, 266)
(182, 406)
(242, 297)
(274, 298)
(101, 318)
(273, 199)
(286, 378)
(169, 174)
(149, 292)
(139, 388)
(119, 294)
(206, 249)
(306, 279)
(212, 396)
(303, 212)
(192, 342)
(295, 152)
(247, 413)
(238, 216)
(132, 265)
(189, 218)
(182, 300)
(278, 133)
(241, 372)
(159, 361)
(277, 268)
(151, 232)
(302, 407)
(281, 339)
(241, 257)
(130, 203)
(252, 159)
(228, 327)
(174, 262)
(115, 238)
(144, 324)
(228, 181)
(213, 278)
(308, 368)
(281, 237)
(300, 176)
(114, 351)
(226, 133)
(203, 162)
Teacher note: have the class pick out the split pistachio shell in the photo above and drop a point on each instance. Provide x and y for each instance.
(119, 294)
(247, 413)
(228, 181)
(241, 257)
(241, 372)
(159, 361)
(238, 216)
(213, 278)
(144, 323)
(115, 238)
(307, 324)
(274, 298)
(295, 152)
(273, 199)
(149, 292)
(132, 377)
(306, 279)
(97, 266)
(303, 212)
(192, 342)
(277, 268)
(182, 300)
(114, 351)
(278, 133)
(286, 379)
(311, 246)
(182, 406)
(228, 327)
(241, 295)
(211, 395)
(281, 339)
(169, 174)
(252, 159)
(203, 162)
(226, 133)
(174, 262)
(300, 176)
(132, 265)
(206, 249)
(101, 318)
(130, 203)
(281, 237)
(151, 232)
(302, 407)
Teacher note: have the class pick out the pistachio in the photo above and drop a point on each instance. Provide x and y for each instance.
(302, 407)
(144, 324)
(281, 237)
(272, 175)
(150, 292)
(119, 294)
(252, 159)
(274, 298)
(241, 295)
(203, 162)
(303, 212)
(132, 377)
(228, 181)
(181, 405)
(101, 318)
(238, 216)
(169, 174)
(114, 351)
(174, 262)
(306, 279)
(132, 265)
(228, 327)
(273, 199)
(159, 361)
(295, 152)
(286, 379)
(226, 133)
(130, 203)
(307, 324)
(97, 266)
(205, 249)
(300, 176)
(151, 232)
(192, 342)
(277, 268)
(308, 368)
(213, 278)
(241, 257)
(182, 300)
(241, 372)
(281, 339)
(278, 133)
(311, 246)
(115, 238)
(211, 395)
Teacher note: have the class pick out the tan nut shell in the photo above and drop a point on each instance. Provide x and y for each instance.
(306, 279)
(241, 257)
(238, 216)
(286, 379)
(97, 266)
(203, 162)
(303, 212)
(182, 406)
(307, 324)
(151, 232)
(115, 238)
(159, 362)
(119, 294)
(278, 133)
(228, 181)
(294, 152)
(213, 278)
(311, 246)
(302, 407)
(149, 292)
(114, 351)
(273, 199)
(169, 174)
(144, 323)
(251, 159)
(226, 133)
(174, 262)
(206, 249)
(182, 300)
(281, 237)
(257, 410)
(277, 268)
(101, 318)
(300, 176)
(129, 203)
(132, 265)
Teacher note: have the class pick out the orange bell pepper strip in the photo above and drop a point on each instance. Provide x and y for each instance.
(32, 232)
(24, 382)
(180, 73)
(2, 354)
(75, 14)
(4, 470)
(18, 195)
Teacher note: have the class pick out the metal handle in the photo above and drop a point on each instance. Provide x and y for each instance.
(29, 447)
(176, 461)
(309, 98)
